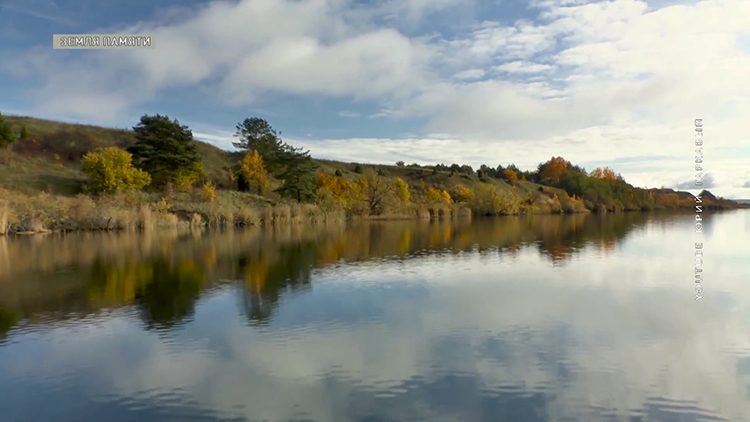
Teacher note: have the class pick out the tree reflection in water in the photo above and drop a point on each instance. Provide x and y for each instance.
(163, 276)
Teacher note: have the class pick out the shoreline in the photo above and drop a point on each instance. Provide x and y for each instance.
(49, 214)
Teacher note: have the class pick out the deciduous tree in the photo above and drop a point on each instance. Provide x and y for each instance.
(552, 170)
(510, 175)
(402, 189)
(111, 170)
(254, 172)
(375, 190)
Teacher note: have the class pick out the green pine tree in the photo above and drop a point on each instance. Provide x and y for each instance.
(298, 177)
(6, 134)
(24, 134)
(165, 149)
(7, 138)
(257, 134)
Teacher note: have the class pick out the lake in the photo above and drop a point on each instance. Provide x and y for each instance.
(542, 318)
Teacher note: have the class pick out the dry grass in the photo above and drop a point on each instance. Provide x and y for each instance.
(21, 213)
(4, 218)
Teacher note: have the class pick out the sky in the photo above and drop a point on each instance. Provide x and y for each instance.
(600, 83)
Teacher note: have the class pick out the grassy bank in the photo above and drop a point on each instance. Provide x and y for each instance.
(26, 214)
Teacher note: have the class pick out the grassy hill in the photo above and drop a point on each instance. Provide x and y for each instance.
(49, 161)
(44, 181)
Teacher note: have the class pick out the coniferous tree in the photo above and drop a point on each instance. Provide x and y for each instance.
(298, 177)
(7, 138)
(165, 149)
(257, 134)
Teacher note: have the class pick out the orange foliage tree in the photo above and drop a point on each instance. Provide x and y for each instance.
(606, 174)
(553, 169)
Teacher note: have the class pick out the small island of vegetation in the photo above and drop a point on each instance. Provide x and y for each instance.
(61, 177)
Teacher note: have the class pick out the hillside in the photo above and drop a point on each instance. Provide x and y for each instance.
(63, 145)
(48, 162)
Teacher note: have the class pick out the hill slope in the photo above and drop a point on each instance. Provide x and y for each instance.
(49, 161)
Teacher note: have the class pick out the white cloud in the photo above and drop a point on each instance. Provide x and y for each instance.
(523, 67)
(469, 74)
(348, 114)
(582, 80)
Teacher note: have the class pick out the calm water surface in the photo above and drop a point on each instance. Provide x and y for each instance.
(550, 318)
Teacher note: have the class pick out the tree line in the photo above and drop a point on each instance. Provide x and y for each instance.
(165, 156)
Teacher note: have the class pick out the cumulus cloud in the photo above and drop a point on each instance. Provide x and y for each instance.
(708, 182)
(583, 78)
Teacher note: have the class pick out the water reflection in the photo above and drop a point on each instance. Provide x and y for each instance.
(164, 273)
(548, 318)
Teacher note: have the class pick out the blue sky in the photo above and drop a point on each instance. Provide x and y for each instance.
(478, 82)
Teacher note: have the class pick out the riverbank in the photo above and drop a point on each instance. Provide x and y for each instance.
(43, 213)
(22, 214)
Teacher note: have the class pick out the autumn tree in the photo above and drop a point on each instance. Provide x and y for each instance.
(165, 149)
(606, 174)
(490, 200)
(402, 189)
(186, 177)
(552, 170)
(375, 191)
(463, 194)
(111, 170)
(510, 175)
(338, 186)
(437, 195)
(254, 172)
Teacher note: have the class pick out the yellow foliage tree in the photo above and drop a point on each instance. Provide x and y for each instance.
(446, 197)
(186, 178)
(433, 194)
(338, 186)
(111, 170)
(254, 171)
(209, 192)
(463, 194)
(511, 175)
(375, 191)
(402, 189)
(437, 195)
